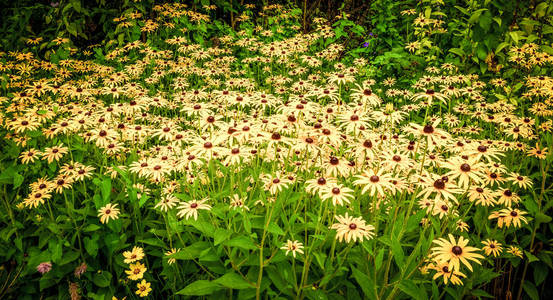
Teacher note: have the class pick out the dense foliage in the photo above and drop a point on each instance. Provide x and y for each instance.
(296, 150)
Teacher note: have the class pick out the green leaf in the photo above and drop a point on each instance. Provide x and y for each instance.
(397, 252)
(243, 242)
(153, 242)
(531, 290)
(476, 15)
(542, 218)
(540, 273)
(102, 279)
(55, 248)
(106, 190)
(481, 293)
(192, 251)
(91, 227)
(17, 180)
(485, 21)
(379, 258)
(233, 281)
(221, 235)
(501, 47)
(7, 176)
(69, 257)
(275, 229)
(364, 282)
(411, 289)
(481, 52)
(457, 51)
(531, 257)
(199, 288)
(463, 10)
(91, 245)
(514, 35)
(76, 5)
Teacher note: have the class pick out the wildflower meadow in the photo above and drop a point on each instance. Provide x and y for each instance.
(276, 150)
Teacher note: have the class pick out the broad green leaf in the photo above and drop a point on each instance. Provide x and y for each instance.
(501, 47)
(192, 251)
(364, 282)
(531, 257)
(221, 235)
(481, 293)
(476, 15)
(55, 248)
(531, 290)
(233, 281)
(457, 51)
(17, 180)
(542, 218)
(102, 279)
(243, 242)
(199, 288)
(411, 289)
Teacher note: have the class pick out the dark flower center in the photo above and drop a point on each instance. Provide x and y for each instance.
(457, 250)
(465, 167)
(275, 136)
(439, 184)
(428, 129)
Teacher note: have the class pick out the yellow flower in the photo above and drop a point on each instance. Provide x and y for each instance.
(350, 228)
(136, 254)
(453, 252)
(136, 271)
(293, 246)
(515, 251)
(448, 274)
(108, 212)
(492, 247)
(143, 288)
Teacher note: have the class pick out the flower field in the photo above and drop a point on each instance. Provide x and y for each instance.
(272, 162)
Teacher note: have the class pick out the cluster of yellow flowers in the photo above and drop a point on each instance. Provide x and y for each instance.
(136, 270)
